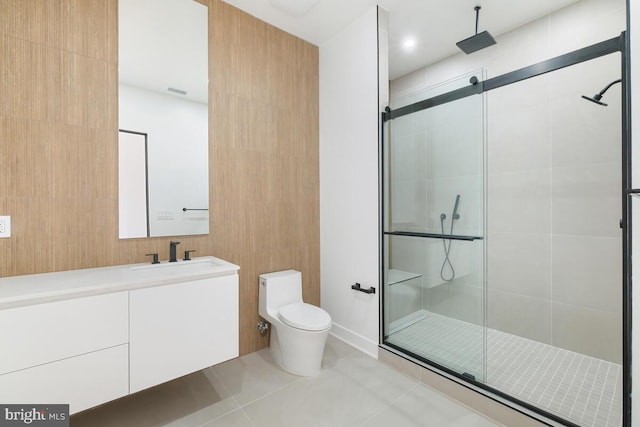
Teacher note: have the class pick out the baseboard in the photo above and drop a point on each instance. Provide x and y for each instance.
(355, 340)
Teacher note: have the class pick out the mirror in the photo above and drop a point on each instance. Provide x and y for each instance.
(163, 92)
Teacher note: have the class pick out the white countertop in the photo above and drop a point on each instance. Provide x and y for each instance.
(31, 289)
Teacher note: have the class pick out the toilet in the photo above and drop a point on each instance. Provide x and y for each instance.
(298, 330)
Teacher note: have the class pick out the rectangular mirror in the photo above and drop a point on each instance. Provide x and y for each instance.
(163, 93)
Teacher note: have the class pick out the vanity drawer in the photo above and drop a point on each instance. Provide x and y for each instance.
(38, 334)
(182, 328)
(83, 381)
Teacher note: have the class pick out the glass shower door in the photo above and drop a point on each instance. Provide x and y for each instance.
(433, 229)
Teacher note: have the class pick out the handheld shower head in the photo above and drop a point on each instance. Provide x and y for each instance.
(455, 214)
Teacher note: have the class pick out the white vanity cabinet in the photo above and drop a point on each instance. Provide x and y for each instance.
(200, 316)
(57, 352)
(86, 337)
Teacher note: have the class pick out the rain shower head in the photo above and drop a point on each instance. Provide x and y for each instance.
(478, 41)
(598, 96)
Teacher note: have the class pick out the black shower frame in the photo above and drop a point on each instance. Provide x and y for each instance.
(617, 44)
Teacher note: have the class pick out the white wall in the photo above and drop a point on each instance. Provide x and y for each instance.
(349, 228)
(178, 154)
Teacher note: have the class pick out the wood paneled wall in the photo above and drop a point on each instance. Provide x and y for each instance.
(58, 147)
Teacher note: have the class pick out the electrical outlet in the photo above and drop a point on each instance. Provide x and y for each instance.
(5, 226)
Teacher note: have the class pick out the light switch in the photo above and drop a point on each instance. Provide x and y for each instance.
(5, 226)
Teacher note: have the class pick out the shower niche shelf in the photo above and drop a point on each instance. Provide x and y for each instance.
(404, 290)
(399, 276)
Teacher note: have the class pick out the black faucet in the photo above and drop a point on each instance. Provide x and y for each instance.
(172, 250)
(155, 258)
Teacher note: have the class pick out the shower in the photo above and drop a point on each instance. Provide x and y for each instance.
(598, 96)
(478, 41)
(520, 304)
(446, 244)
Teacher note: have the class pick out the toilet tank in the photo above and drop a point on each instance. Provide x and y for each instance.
(278, 289)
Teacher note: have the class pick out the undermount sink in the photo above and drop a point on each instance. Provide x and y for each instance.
(200, 265)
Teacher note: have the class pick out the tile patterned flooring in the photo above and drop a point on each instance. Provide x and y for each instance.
(252, 391)
(579, 388)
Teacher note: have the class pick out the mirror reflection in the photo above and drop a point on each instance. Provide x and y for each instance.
(163, 118)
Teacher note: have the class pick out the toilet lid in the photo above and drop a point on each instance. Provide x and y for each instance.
(305, 316)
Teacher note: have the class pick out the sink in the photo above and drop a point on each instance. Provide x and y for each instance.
(196, 266)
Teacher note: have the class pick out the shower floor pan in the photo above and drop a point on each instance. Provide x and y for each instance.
(579, 388)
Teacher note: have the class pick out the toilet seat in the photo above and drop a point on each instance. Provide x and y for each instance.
(304, 316)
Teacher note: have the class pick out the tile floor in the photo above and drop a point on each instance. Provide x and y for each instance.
(579, 388)
(251, 391)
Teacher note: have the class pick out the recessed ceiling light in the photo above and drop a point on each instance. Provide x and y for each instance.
(409, 44)
(294, 7)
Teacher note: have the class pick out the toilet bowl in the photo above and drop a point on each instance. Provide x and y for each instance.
(298, 330)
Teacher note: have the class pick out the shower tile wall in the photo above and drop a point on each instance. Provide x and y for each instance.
(553, 182)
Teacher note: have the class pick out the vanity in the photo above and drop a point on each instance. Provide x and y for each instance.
(86, 337)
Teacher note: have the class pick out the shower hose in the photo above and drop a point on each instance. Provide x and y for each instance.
(446, 244)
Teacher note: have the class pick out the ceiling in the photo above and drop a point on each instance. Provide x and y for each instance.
(435, 25)
(167, 47)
